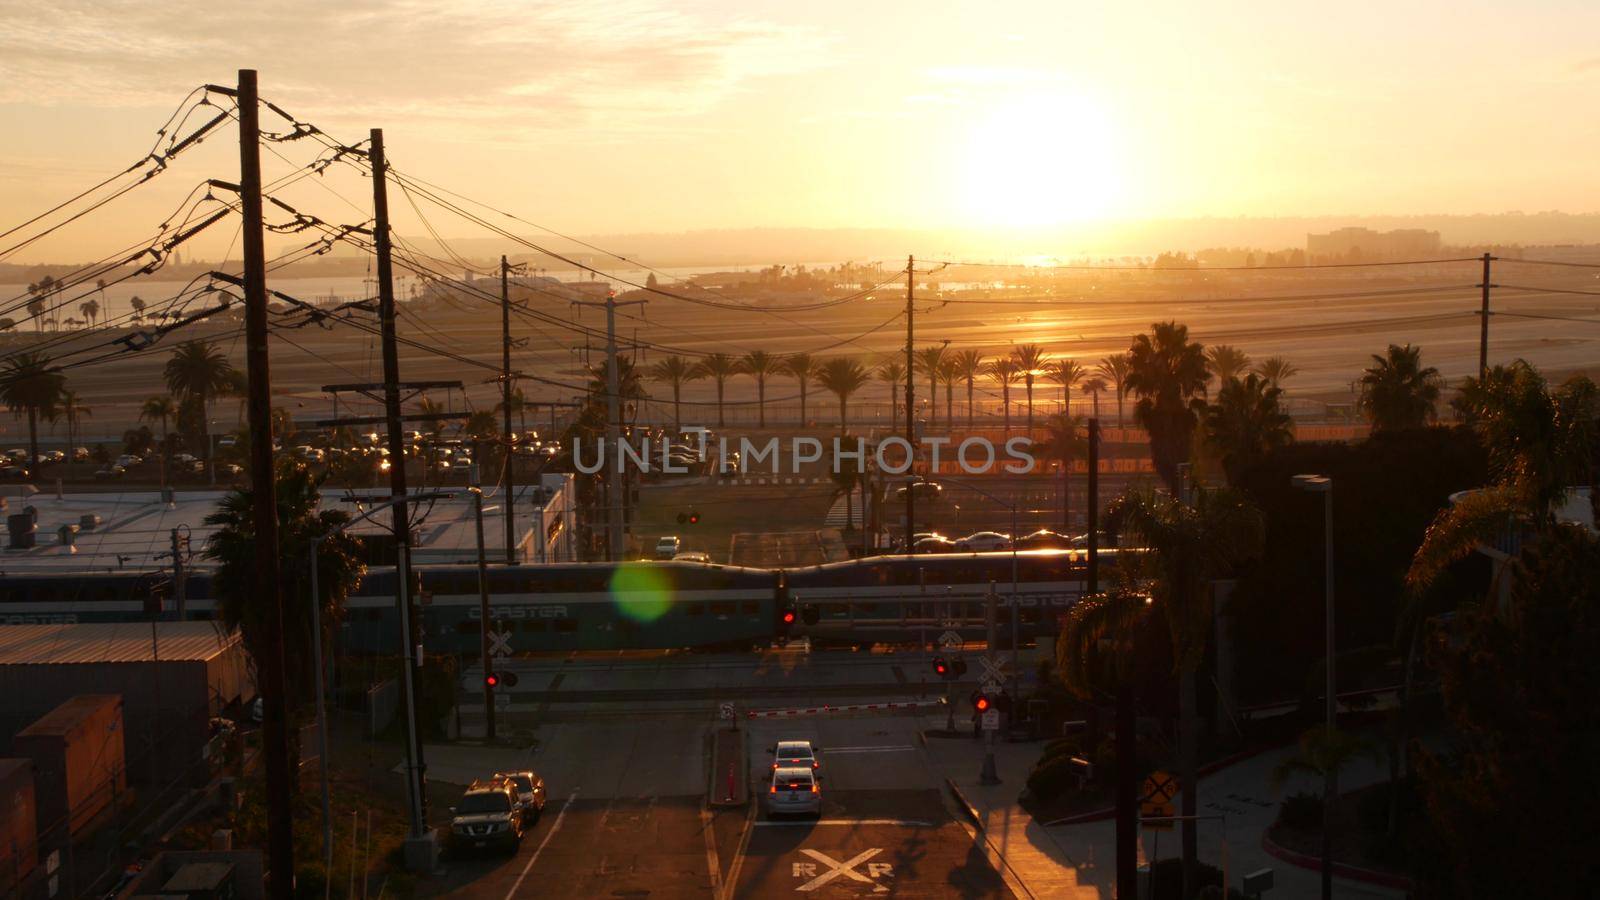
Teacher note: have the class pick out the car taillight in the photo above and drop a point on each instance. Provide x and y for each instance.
(814, 788)
(815, 764)
(774, 789)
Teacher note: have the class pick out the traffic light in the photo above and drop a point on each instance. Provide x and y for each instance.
(788, 617)
(694, 517)
(492, 680)
(941, 667)
(981, 701)
(500, 679)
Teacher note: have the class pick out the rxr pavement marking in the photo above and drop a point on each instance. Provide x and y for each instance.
(847, 869)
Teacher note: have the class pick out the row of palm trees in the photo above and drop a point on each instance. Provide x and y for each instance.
(1024, 364)
(34, 388)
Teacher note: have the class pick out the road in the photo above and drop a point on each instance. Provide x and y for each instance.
(628, 813)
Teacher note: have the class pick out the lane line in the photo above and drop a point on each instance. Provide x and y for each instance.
(898, 748)
(809, 823)
(554, 827)
(732, 883)
(711, 852)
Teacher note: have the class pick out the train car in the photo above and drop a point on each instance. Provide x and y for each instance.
(577, 606)
(889, 597)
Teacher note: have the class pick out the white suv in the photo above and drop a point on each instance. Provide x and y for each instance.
(795, 791)
(668, 546)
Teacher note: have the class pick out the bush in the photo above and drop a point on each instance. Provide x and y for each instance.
(1301, 811)
(1052, 777)
(1061, 747)
(1168, 880)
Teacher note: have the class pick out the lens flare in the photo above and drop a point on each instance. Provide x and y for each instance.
(642, 593)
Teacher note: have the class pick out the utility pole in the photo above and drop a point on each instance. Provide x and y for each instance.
(1092, 566)
(265, 586)
(615, 483)
(483, 618)
(1483, 322)
(911, 396)
(410, 635)
(509, 478)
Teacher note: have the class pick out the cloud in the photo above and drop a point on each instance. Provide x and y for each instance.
(1584, 66)
(507, 67)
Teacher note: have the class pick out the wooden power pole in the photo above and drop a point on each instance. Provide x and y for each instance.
(410, 634)
(264, 507)
(510, 468)
(911, 395)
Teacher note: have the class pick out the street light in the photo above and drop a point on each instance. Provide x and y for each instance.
(1322, 484)
(316, 650)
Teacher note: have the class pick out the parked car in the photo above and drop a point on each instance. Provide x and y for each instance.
(794, 754)
(489, 814)
(184, 458)
(53, 456)
(668, 546)
(795, 791)
(693, 556)
(985, 542)
(80, 454)
(17, 454)
(1081, 541)
(128, 460)
(1044, 539)
(531, 793)
(935, 544)
(108, 473)
(925, 490)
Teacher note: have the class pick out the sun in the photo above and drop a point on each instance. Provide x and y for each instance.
(1041, 159)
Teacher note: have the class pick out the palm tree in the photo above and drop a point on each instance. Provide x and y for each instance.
(969, 364)
(30, 386)
(1276, 370)
(1030, 360)
(846, 480)
(1064, 442)
(1099, 644)
(843, 376)
(480, 425)
(1322, 751)
(199, 371)
(930, 362)
(1397, 391)
(1067, 373)
(1189, 547)
(91, 307)
(1225, 361)
(74, 412)
(1245, 423)
(254, 612)
(759, 364)
(1003, 369)
(674, 370)
(138, 307)
(893, 374)
(162, 409)
(802, 367)
(719, 367)
(517, 407)
(1168, 373)
(1094, 387)
(949, 373)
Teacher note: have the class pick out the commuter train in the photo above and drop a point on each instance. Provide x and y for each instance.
(604, 606)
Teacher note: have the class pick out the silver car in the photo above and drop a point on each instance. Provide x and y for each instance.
(795, 791)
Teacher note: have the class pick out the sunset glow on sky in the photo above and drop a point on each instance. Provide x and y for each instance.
(641, 115)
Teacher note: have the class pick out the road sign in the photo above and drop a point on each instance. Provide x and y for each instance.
(502, 700)
(824, 868)
(499, 643)
(725, 710)
(1156, 801)
(991, 720)
(950, 640)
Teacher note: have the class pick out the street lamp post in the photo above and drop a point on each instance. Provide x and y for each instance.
(316, 658)
(1321, 484)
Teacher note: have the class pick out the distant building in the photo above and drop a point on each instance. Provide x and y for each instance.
(1357, 244)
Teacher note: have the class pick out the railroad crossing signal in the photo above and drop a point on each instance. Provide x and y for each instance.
(994, 670)
(692, 517)
(500, 679)
(499, 643)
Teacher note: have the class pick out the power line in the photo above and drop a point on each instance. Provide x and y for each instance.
(1198, 268)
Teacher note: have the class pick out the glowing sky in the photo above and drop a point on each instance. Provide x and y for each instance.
(639, 115)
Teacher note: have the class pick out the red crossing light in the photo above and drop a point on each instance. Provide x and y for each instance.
(492, 680)
(788, 617)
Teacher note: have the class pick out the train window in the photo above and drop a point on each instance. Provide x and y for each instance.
(467, 626)
(750, 607)
(566, 625)
(722, 607)
(532, 624)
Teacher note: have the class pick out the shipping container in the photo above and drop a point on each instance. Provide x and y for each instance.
(19, 844)
(79, 767)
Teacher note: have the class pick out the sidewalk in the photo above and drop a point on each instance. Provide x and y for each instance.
(1031, 855)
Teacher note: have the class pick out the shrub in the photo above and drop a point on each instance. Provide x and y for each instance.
(1052, 777)
(1168, 880)
(1301, 811)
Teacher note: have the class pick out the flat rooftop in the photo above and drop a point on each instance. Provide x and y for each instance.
(112, 642)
